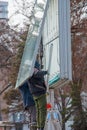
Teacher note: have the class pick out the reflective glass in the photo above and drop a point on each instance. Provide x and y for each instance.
(32, 42)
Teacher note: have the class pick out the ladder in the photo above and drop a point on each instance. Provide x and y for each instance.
(33, 41)
(54, 118)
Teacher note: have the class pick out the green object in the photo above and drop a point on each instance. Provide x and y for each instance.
(40, 102)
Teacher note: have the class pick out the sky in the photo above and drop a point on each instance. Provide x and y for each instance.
(11, 4)
(16, 19)
(11, 9)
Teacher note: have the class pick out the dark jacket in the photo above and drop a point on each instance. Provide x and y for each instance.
(37, 83)
(26, 94)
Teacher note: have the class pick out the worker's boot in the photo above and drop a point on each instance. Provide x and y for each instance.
(33, 128)
(40, 128)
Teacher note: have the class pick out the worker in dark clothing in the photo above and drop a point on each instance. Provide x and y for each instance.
(38, 90)
(28, 102)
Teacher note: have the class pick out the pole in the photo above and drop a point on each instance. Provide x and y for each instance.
(49, 67)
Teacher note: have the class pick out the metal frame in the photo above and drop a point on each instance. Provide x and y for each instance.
(65, 40)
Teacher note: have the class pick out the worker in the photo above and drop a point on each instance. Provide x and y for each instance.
(38, 90)
(28, 102)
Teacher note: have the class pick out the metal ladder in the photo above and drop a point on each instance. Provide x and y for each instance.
(33, 41)
(54, 118)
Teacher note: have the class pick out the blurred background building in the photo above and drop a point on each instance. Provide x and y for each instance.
(3, 17)
(3, 10)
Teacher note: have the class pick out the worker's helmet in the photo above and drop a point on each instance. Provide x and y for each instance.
(37, 65)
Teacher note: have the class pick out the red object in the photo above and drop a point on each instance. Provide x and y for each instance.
(48, 106)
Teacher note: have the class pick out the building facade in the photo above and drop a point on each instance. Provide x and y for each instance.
(3, 10)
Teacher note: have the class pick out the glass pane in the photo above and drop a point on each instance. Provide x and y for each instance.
(32, 42)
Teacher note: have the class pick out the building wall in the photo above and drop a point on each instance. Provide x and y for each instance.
(3, 9)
